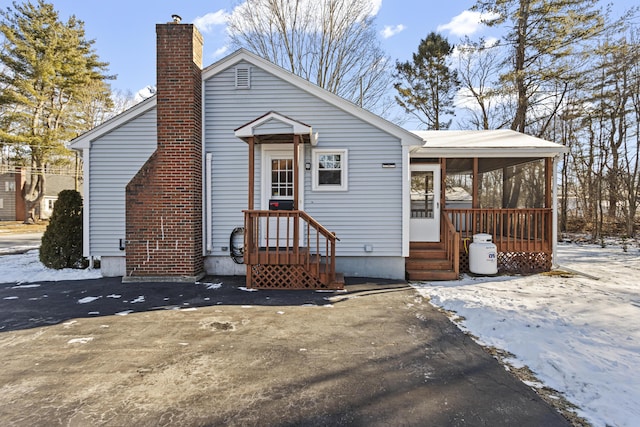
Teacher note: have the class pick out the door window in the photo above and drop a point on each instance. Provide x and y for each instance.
(282, 178)
(422, 196)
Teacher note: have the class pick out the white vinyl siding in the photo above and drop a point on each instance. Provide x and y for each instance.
(370, 212)
(114, 159)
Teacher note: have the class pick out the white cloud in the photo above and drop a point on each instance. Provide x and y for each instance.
(390, 31)
(221, 51)
(466, 23)
(206, 23)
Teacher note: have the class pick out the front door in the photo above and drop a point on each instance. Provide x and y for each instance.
(425, 203)
(277, 185)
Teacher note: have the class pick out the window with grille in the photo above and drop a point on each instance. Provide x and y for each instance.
(330, 170)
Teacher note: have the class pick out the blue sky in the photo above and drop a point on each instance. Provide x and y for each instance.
(125, 30)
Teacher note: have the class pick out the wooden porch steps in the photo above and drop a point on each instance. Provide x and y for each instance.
(428, 261)
(320, 271)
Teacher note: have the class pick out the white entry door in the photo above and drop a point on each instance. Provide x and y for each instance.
(277, 184)
(425, 203)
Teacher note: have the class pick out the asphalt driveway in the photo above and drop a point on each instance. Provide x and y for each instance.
(99, 352)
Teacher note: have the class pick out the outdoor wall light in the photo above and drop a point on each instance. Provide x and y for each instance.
(307, 166)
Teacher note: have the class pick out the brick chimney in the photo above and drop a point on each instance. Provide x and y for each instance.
(164, 199)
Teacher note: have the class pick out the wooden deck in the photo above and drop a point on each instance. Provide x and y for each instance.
(522, 237)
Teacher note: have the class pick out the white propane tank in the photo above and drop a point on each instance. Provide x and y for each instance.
(483, 257)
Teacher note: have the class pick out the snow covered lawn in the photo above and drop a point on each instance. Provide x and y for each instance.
(27, 268)
(580, 336)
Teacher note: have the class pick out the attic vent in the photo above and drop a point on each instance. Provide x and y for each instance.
(243, 78)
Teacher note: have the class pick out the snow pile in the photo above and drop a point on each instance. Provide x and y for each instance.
(27, 267)
(579, 335)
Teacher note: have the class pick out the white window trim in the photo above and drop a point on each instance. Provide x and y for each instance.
(344, 186)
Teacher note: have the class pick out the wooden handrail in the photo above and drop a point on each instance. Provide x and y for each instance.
(326, 233)
(292, 243)
(451, 241)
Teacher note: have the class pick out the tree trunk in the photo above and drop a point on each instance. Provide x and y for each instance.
(519, 121)
(32, 194)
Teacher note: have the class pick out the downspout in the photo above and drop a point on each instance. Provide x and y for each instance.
(554, 214)
(206, 185)
(207, 200)
(86, 235)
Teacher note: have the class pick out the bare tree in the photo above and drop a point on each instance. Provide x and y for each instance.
(479, 64)
(332, 43)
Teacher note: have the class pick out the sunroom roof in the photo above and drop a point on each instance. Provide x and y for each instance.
(484, 143)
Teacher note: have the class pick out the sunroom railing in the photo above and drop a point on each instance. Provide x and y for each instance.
(512, 230)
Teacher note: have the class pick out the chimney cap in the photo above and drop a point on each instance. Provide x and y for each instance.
(176, 18)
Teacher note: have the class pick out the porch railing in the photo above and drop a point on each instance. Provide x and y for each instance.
(451, 241)
(513, 230)
(289, 238)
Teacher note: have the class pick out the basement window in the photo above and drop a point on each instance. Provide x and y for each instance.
(243, 78)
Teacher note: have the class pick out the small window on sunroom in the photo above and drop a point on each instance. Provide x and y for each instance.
(243, 77)
(329, 170)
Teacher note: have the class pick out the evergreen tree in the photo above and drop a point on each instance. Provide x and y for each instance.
(426, 85)
(544, 36)
(49, 69)
(62, 240)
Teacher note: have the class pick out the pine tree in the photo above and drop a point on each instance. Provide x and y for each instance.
(544, 35)
(62, 240)
(48, 68)
(426, 85)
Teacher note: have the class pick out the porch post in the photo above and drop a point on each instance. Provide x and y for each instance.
(296, 144)
(549, 177)
(554, 214)
(248, 219)
(251, 172)
(443, 178)
(475, 201)
(296, 221)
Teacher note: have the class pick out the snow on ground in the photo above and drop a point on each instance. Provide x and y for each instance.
(580, 336)
(26, 268)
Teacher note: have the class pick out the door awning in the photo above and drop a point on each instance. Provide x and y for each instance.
(275, 128)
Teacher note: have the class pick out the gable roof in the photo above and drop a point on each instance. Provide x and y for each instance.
(84, 140)
(484, 143)
(243, 55)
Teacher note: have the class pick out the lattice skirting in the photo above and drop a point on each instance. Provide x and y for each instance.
(283, 277)
(515, 262)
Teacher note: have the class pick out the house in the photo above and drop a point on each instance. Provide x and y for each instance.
(12, 181)
(243, 168)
